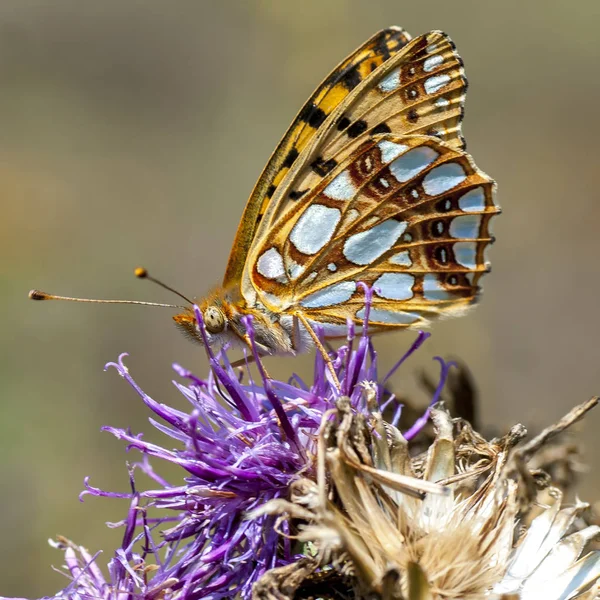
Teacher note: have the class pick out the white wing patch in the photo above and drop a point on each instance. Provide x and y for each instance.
(409, 165)
(402, 259)
(389, 317)
(472, 201)
(391, 150)
(391, 82)
(394, 286)
(433, 290)
(436, 83)
(330, 295)
(364, 247)
(443, 178)
(315, 228)
(432, 62)
(270, 264)
(294, 270)
(466, 254)
(465, 227)
(341, 188)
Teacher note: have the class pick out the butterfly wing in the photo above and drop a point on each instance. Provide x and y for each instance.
(407, 215)
(372, 199)
(336, 87)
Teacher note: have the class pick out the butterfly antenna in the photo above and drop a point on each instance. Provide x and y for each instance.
(143, 274)
(38, 295)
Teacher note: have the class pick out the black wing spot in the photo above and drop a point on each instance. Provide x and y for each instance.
(343, 123)
(441, 255)
(357, 128)
(271, 191)
(350, 78)
(381, 128)
(412, 116)
(292, 155)
(381, 48)
(322, 167)
(297, 194)
(313, 115)
(444, 205)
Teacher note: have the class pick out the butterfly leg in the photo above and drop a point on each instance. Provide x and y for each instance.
(319, 346)
(296, 335)
(243, 361)
(251, 358)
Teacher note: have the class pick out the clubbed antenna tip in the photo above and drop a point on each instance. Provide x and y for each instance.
(38, 295)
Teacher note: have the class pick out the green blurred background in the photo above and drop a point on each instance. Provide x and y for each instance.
(132, 133)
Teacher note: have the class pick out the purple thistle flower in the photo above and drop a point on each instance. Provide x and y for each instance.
(241, 444)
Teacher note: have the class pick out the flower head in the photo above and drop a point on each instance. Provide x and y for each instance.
(242, 443)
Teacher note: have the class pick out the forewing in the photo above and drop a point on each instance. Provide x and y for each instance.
(420, 90)
(407, 215)
(336, 87)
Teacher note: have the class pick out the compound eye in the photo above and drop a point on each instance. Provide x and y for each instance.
(214, 320)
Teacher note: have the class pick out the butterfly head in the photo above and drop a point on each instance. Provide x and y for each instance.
(217, 314)
(222, 317)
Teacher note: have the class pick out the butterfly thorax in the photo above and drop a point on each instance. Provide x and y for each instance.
(224, 314)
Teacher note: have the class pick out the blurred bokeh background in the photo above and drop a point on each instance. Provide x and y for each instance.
(132, 133)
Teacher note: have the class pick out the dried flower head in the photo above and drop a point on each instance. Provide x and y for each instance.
(466, 519)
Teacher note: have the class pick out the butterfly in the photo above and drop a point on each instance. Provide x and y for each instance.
(371, 184)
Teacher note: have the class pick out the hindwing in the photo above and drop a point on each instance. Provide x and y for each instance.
(407, 215)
